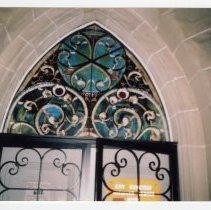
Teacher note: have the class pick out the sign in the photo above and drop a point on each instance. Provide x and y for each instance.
(127, 190)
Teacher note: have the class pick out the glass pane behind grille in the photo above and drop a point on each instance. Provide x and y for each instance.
(132, 175)
(40, 174)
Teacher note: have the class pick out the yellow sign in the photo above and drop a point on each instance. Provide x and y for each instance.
(127, 189)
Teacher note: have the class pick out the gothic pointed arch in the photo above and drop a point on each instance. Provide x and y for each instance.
(88, 85)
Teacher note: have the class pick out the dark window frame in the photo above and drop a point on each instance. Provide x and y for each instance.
(169, 148)
(55, 142)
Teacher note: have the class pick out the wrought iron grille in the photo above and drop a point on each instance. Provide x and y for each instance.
(51, 168)
(50, 171)
(132, 171)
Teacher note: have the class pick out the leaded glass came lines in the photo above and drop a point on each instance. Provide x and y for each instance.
(89, 85)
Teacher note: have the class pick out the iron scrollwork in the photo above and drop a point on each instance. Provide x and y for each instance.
(49, 109)
(22, 160)
(89, 85)
(128, 113)
(113, 170)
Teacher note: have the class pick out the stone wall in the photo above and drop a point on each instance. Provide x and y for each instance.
(174, 47)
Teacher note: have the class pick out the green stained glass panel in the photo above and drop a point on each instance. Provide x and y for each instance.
(89, 85)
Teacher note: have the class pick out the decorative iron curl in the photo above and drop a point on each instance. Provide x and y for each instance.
(58, 161)
(66, 168)
(13, 167)
(154, 166)
(19, 162)
(161, 173)
(61, 163)
(118, 164)
(23, 161)
(161, 176)
(13, 170)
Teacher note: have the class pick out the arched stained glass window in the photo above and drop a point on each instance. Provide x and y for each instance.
(88, 85)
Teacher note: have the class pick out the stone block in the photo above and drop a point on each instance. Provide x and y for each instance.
(66, 29)
(188, 56)
(208, 71)
(170, 98)
(101, 15)
(190, 128)
(37, 32)
(178, 96)
(192, 20)
(200, 85)
(15, 53)
(164, 67)
(23, 70)
(47, 43)
(170, 30)
(150, 15)
(37, 12)
(4, 85)
(96, 14)
(206, 119)
(208, 152)
(126, 18)
(118, 31)
(193, 173)
(61, 16)
(146, 41)
(203, 40)
(185, 95)
(4, 38)
(3, 71)
(5, 14)
(20, 18)
(123, 22)
(173, 124)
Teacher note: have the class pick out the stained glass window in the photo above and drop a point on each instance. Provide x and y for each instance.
(88, 85)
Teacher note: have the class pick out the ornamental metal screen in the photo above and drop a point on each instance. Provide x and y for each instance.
(130, 171)
(42, 169)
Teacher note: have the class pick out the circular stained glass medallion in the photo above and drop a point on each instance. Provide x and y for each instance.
(128, 113)
(48, 109)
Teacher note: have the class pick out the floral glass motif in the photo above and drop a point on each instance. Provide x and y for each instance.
(88, 85)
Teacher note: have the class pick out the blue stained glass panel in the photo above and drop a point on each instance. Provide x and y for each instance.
(89, 84)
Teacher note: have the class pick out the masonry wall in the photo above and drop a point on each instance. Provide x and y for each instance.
(174, 47)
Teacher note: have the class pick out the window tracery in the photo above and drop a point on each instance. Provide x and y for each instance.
(89, 85)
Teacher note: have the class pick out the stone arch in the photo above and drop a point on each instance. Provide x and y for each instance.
(38, 35)
(55, 59)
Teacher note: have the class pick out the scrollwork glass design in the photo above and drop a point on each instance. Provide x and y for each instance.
(89, 84)
(49, 109)
(128, 114)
